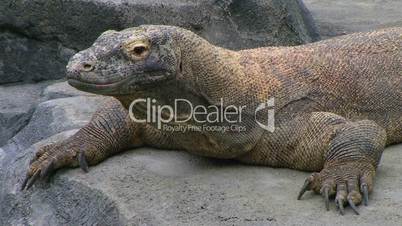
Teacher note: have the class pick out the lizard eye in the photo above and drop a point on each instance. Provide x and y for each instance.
(137, 50)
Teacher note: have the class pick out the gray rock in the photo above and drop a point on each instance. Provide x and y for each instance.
(39, 36)
(230, 23)
(156, 187)
(54, 116)
(340, 17)
(17, 103)
(61, 90)
(82, 206)
(29, 60)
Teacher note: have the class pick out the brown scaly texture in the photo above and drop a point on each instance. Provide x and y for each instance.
(337, 103)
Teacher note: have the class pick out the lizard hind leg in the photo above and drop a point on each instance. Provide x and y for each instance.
(350, 163)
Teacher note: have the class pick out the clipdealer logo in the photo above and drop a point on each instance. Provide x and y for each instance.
(269, 125)
(224, 118)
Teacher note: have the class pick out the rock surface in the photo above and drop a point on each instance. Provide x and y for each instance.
(340, 17)
(29, 60)
(17, 103)
(50, 31)
(229, 23)
(54, 116)
(62, 90)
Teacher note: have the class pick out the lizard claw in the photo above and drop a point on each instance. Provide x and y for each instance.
(326, 197)
(353, 206)
(304, 188)
(364, 188)
(30, 180)
(47, 169)
(51, 157)
(24, 182)
(339, 205)
(342, 180)
(83, 161)
(308, 184)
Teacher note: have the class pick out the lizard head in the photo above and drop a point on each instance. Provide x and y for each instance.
(122, 62)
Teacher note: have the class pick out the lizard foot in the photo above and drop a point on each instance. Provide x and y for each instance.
(349, 182)
(51, 157)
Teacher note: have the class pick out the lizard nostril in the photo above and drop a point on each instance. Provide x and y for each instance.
(87, 67)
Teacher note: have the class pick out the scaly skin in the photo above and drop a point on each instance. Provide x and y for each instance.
(337, 103)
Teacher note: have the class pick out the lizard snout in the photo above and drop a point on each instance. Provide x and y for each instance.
(74, 69)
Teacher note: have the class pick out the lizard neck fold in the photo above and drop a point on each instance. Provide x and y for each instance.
(208, 70)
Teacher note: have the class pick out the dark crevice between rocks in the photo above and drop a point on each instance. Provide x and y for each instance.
(309, 21)
(17, 32)
(20, 124)
(16, 114)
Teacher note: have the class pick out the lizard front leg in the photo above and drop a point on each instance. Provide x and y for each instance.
(109, 131)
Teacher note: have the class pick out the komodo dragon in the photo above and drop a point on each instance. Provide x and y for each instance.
(338, 103)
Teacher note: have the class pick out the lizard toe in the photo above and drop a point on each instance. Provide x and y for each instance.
(83, 161)
(49, 158)
(340, 199)
(350, 183)
(327, 190)
(311, 183)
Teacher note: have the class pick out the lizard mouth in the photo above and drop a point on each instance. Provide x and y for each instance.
(124, 86)
(96, 88)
